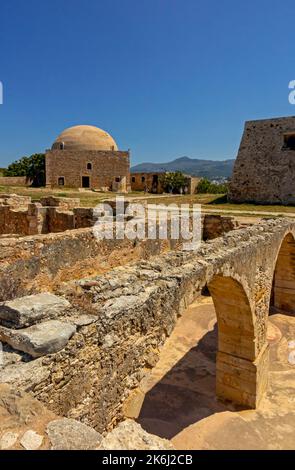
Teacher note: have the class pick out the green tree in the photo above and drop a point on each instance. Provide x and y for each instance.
(32, 167)
(206, 186)
(173, 182)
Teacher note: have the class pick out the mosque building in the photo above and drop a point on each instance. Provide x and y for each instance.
(87, 157)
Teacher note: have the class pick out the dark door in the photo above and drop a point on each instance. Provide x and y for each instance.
(85, 182)
(155, 184)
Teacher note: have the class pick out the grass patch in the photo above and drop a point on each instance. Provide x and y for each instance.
(210, 201)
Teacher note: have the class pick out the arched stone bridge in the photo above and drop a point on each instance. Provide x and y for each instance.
(135, 307)
(247, 272)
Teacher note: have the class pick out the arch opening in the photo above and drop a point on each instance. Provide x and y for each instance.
(211, 351)
(241, 372)
(282, 297)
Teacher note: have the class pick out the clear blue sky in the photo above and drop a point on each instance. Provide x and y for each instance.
(166, 78)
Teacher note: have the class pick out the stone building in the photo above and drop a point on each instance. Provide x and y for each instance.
(264, 171)
(151, 182)
(87, 157)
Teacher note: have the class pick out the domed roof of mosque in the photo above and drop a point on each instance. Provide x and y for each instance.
(84, 138)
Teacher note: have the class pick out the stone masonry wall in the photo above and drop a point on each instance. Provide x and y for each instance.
(63, 203)
(39, 262)
(124, 316)
(72, 165)
(13, 221)
(264, 170)
(145, 181)
(137, 308)
(32, 264)
(14, 181)
(19, 216)
(215, 225)
(14, 200)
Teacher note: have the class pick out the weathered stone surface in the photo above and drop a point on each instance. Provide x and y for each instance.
(69, 434)
(41, 339)
(8, 440)
(18, 215)
(31, 264)
(129, 435)
(66, 203)
(24, 375)
(9, 356)
(14, 200)
(28, 310)
(84, 320)
(23, 420)
(31, 440)
(215, 226)
(18, 408)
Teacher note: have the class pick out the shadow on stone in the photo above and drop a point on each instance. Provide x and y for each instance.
(186, 394)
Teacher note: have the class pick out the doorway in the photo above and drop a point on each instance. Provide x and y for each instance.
(85, 182)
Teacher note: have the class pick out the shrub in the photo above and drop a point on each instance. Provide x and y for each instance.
(173, 182)
(206, 186)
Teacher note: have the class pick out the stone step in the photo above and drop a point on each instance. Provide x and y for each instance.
(39, 340)
(29, 310)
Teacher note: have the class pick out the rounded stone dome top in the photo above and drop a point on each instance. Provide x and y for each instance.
(84, 138)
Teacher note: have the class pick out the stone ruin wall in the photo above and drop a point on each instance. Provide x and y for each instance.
(124, 316)
(30, 264)
(121, 318)
(141, 181)
(264, 171)
(20, 216)
(43, 262)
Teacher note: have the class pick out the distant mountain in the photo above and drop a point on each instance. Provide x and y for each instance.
(211, 169)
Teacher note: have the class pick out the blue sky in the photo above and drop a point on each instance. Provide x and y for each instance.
(166, 78)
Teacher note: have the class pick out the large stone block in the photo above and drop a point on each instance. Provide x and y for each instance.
(29, 310)
(129, 435)
(69, 434)
(39, 340)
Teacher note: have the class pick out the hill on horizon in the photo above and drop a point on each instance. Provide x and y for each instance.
(211, 169)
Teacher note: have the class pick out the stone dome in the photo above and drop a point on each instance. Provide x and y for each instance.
(84, 138)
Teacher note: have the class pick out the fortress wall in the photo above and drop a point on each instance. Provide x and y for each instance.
(264, 170)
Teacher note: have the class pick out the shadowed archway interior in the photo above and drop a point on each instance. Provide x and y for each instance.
(283, 285)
